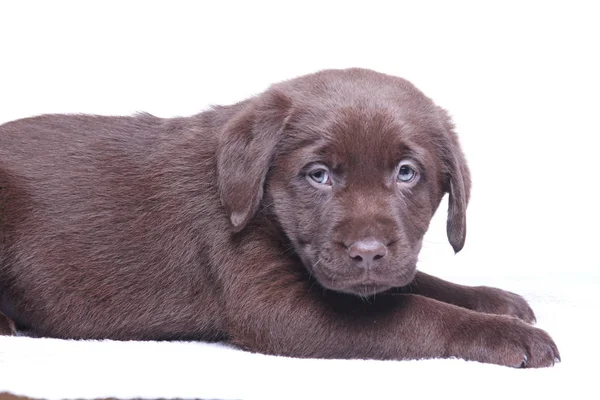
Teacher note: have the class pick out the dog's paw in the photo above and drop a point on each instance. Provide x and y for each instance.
(497, 301)
(507, 341)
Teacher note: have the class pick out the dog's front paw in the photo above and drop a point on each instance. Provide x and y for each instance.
(505, 341)
(497, 301)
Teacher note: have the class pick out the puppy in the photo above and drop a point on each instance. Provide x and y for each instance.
(288, 224)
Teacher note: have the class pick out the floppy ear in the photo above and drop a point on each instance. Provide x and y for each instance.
(245, 152)
(457, 184)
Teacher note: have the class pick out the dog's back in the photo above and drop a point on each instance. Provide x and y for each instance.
(83, 200)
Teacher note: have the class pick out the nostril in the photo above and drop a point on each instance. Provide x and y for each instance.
(365, 252)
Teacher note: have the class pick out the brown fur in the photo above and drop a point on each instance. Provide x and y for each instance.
(211, 228)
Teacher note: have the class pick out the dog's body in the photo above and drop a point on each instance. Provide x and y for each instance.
(271, 223)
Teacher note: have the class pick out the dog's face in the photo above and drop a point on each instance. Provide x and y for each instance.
(355, 198)
(354, 164)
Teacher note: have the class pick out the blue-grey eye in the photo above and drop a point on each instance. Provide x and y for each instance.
(406, 173)
(320, 176)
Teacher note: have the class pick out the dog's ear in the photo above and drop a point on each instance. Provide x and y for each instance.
(245, 152)
(457, 184)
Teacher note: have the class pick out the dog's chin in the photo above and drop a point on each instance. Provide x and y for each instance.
(365, 289)
(365, 286)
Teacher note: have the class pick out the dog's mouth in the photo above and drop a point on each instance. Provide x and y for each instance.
(368, 284)
(366, 289)
(350, 279)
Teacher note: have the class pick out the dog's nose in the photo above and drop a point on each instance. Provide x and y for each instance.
(366, 252)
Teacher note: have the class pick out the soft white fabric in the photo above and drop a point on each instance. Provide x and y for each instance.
(566, 307)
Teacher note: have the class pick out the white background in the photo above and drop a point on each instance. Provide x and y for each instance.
(521, 80)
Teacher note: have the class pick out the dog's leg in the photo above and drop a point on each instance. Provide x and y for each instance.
(273, 310)
(478, 298)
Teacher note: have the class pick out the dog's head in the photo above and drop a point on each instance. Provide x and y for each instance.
(354, 164)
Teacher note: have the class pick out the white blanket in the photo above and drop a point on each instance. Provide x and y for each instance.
(54, 369)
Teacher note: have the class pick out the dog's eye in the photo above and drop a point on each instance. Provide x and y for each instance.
(406, 173)
(320, 176)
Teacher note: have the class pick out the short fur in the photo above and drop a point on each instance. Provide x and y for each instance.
(211, 228)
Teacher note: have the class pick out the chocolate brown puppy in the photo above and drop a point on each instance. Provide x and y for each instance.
(289, 224)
